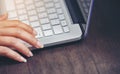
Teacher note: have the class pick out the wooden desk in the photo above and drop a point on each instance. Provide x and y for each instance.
(99, 53)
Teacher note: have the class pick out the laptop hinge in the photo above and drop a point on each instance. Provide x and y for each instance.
(75, 11)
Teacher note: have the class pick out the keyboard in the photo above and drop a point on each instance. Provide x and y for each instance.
(85, 6)
(45, 16)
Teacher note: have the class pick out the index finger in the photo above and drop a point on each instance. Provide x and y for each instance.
(16, 23)
(3, 17)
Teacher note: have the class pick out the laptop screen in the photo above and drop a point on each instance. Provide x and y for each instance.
(80, 11)
(86, 8)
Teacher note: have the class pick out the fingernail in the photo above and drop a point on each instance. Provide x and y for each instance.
(31, 54)
(34, 32)
(39, 45)
(42, 46)
(23, 59)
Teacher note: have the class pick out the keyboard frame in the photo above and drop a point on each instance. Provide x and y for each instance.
(74, 35)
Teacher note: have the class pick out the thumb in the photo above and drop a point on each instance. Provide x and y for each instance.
(4, 16)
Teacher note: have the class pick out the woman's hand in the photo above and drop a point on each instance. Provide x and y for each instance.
(4, 17)
(11, 32)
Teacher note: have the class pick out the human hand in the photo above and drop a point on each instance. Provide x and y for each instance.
(11, 32)
(4, 17)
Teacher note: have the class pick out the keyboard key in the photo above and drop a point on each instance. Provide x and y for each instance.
(23, 17)
(88, 3)
(51, 10)
(28, 2)
(46, 26)
(61, 17)
(64, 23)
(36, 0)
(22, 11)
(57, 5)
(55, 22)
(86, 10)
(59, 11)
(32, 12)
(10, 5)
(48, 32)
(30, 7)
(47, 1)
(33, 18)
(56, 0)
(84, 5)
(18, 1)
(53, 16)
(20, 6)
(49, 5)
(35, 24)
(42, 15)
(44, 21)
(39, 32)
(14, 18)
(12, 14)
(57, 29)
(41, 9)
(66, 29)
(39, 4)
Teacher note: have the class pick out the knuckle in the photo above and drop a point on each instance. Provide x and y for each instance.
(3, 51)
(17, 21)
(13, 41)
(18, 31)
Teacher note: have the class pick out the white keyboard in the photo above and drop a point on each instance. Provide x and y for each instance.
(45, 16)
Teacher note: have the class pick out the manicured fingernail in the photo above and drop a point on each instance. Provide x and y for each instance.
(39, 45)
(42, 46)
(23, 59)
(31, 54)
(34, 32)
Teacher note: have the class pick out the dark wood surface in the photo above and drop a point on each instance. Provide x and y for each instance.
(98, 53)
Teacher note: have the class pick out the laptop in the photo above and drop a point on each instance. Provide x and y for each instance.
(56, 21)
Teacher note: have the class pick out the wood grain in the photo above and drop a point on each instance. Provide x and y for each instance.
(98, 53)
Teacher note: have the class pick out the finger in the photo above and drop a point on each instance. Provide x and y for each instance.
(21, 34)
(4, 17)
(15, 43)
(15, 23)
(5, 51)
